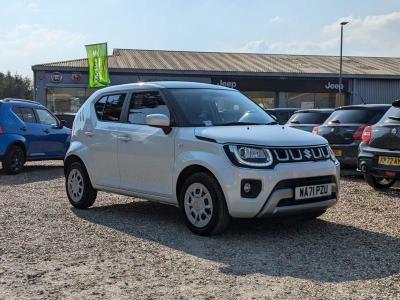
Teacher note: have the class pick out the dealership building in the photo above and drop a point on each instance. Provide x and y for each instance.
(272, 80)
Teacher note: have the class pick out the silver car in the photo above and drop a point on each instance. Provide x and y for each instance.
(204, 148)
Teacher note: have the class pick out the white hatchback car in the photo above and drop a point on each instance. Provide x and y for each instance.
(207, 149)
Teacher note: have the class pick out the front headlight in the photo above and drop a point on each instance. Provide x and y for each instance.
(250, 156)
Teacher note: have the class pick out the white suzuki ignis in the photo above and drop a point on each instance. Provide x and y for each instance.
(207, 149)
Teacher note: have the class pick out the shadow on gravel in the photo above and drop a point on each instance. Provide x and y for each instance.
(316, 250)
(32, 173)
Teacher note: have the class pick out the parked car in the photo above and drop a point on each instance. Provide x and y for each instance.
(282, 115)
(307, 119)
(344, 128)
(67, 118)
(28, 131)
(176, 143)
(379, 156)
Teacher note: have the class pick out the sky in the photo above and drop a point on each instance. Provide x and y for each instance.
(34, 32)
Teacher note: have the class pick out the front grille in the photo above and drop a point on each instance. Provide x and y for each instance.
(292, 183)
(299, 154)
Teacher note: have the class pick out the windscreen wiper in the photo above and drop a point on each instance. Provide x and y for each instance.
(295, 122)
(335, 121)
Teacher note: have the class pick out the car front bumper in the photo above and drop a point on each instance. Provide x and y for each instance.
(278, 186)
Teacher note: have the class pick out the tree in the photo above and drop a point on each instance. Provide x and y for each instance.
(15, 86)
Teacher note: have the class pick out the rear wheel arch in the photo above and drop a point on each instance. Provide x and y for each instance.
(19, 144)
(70, 160)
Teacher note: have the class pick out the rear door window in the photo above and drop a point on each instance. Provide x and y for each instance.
(308, 118)
(356, 116)
(108, 108)
(28, 115)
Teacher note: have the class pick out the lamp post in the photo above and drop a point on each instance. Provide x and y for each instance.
(341, 60)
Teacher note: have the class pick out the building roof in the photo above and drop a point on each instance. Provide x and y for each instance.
(240, 63)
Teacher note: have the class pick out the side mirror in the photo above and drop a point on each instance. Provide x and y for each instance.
(63, 123)
(396, 103)
(159, 120)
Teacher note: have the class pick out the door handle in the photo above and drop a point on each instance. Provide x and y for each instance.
(124, 138)
(89, 133)
(46, 131)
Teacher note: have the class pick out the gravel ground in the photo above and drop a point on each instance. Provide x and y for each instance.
(129, 248)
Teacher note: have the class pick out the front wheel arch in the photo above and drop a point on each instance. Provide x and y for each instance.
(186, 172)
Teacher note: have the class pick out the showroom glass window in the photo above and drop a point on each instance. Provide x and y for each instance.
(313, 100)
(146, 103)
(67, 100)
(262, 98)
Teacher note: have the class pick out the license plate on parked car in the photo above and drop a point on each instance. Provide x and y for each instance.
(389, 161)
(313, 191)
(337, 152)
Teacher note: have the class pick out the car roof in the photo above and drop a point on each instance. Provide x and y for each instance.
(21, 102)
(322, 110)
(364, 106)
(165, 85)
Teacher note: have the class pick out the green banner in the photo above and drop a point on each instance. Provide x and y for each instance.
(98, 65)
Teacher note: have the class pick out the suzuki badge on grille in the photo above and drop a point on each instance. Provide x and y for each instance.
(307, 153)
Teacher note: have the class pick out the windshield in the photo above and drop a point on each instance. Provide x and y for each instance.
(308, 118)
(356, 116)
(215, 107)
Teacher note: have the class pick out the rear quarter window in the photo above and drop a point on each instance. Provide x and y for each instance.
(356, 116)
(108, 108)
(308, 118)
(17, 112)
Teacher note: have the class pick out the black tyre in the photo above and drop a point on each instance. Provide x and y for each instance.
(14, 160)
(80, 191)
(203, 205)
(379, 183)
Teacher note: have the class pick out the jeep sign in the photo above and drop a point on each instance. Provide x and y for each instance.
(334, 86)
(229, 84)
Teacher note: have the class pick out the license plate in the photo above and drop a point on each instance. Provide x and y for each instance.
(313, 191)
(389, 161)
(337, 152)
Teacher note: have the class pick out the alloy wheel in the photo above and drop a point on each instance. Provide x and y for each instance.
(198, 205)
(75, 185)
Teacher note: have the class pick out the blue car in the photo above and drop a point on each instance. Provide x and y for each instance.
(28, 131)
